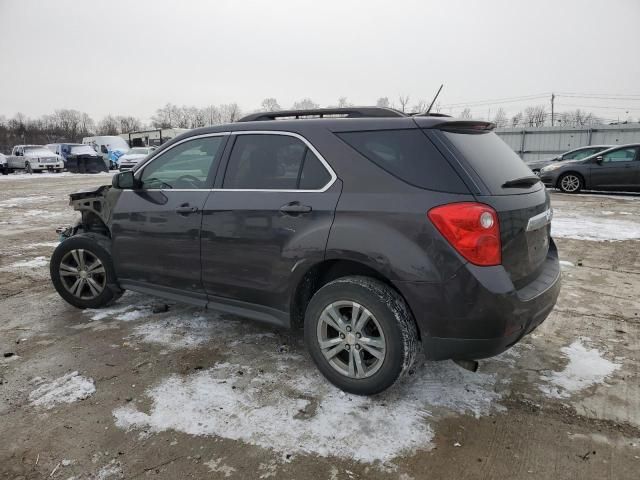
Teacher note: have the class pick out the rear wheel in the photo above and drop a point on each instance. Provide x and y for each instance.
(360, 334)
(28, 168)
(82, 273)
(570, 183)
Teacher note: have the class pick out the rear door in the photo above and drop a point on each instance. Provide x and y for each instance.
(618, 169)
(156, 228)
(270, 216)
(495, 169)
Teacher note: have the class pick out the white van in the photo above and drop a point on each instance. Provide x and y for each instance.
(109, 147)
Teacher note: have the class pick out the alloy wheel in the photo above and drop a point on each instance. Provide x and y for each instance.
(570, 183)
(82, 273)
(351, 339)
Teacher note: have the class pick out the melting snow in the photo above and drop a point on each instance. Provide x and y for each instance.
(566, 263)
(183, 331)
(33, 263)
(293, 409)
(578, 226)
(67, 389)
(17, 201)
(586, 367)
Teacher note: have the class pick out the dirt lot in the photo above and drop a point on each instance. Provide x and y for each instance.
(186, 393)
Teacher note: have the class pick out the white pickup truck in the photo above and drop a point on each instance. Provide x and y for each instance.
(34, 158)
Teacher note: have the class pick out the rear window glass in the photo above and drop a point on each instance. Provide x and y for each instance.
(491, 158)
(408, 155)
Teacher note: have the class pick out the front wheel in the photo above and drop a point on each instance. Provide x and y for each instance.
(82, 273)
(360, 334)
(570, 183)
(28, 168)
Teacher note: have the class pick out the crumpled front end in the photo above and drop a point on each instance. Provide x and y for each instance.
(96, 207)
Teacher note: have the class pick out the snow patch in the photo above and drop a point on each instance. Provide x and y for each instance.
(183, 331)
(217, 466)
(586, 367)
(18, 201)
(578, 226)
(110, 471)
(565, 263)
(66, 389)
(37, 262)
(292, 409)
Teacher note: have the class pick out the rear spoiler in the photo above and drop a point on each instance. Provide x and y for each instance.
(466, 126)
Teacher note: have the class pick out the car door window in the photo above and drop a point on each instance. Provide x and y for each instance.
(189, 165)
(274, 162)
(620, 155)
(580, 154)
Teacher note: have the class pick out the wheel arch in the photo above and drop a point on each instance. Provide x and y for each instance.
(321, 273)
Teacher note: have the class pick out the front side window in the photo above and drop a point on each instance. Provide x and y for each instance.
(579, 155)
(621, 155)
(274, 162)
(188, 165)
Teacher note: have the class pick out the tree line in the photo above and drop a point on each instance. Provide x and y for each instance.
(68, 125)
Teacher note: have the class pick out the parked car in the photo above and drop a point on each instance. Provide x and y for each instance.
(376, 232)
(109, 147)
(34, 158)
(575, 154)
(133, 157)
(3, 164)
(617, 168)
(79, 158)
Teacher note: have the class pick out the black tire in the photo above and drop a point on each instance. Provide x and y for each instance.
(95, 247)
(570, 182)
(28, 168)
(391, 314)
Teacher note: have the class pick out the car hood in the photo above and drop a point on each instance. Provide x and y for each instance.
(132, 157)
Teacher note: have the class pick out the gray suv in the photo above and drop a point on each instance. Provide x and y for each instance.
(376, 232)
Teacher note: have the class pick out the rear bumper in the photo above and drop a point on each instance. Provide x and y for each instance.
(479, 313)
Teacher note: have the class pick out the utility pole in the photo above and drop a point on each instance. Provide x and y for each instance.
(553, 97)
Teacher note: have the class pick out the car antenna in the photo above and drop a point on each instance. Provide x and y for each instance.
(434, 100)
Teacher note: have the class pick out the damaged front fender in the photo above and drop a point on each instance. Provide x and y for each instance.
(96, 207)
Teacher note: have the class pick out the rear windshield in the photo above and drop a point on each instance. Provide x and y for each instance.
(408, 155)
(492, 159)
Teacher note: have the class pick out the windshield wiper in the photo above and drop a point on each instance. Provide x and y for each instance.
(524, 182)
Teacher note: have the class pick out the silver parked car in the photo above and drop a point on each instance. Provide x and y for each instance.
(133, 157)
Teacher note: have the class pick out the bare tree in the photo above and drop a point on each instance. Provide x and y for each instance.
(128, 124)
(383, 102)
(535, 116)
(305, 104)
(465, 114)
(109, 125)
(516, 119)
(270, 104)
(404, 102)
(229, 112)
(501, 118)
(343, 102)
(166, 117)
(420, 107)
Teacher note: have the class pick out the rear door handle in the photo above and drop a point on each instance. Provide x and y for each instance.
(186, 209)
(295, 208)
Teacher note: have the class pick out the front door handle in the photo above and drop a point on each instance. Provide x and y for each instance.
(186, 209)
(295, 208)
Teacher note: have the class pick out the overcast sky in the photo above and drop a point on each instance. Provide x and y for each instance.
(130, 57)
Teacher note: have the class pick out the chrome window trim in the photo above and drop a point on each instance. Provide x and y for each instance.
(326, 165)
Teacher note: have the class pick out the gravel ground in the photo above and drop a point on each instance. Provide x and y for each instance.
(188, 393)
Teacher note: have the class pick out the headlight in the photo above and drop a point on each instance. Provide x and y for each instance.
(549, 168)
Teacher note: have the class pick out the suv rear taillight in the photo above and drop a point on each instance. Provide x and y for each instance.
(472, 229)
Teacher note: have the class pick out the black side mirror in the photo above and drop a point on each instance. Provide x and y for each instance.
(125, 181)
(599, 159)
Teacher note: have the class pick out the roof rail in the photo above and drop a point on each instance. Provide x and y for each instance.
(347, 112)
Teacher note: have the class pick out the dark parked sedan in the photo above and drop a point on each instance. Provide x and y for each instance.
(617, 168)
(575, 154)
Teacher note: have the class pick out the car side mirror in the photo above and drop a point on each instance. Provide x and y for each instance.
(124, 181)
(599, 159)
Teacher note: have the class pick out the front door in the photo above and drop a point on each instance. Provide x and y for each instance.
(156, 227)
(618, 169)
(269, 220)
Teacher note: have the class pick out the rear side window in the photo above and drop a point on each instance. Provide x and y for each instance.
(274, 162)
(492, 159)
(408, 155)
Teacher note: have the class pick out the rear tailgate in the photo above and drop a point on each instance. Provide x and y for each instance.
(505, 183)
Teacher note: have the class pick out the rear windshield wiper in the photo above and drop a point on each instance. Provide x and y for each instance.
(524, 182)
